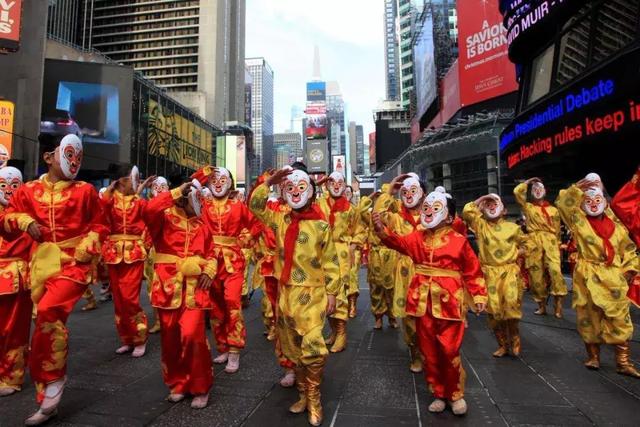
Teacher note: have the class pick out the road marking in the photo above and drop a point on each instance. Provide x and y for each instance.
(415, 393)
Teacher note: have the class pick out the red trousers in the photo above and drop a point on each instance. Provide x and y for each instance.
(186, 355)
(226, 317)
(49, 343)
(271, 289)
(439, 342)
(15, 322)
(131, 321)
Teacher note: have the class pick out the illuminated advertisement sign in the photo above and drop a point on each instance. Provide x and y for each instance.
(316, 91)
(7, 110)
(339, 164)
(10, 14)
(425, 68)
(316, 126)
(316, 156)
(599, 110)
(533, 23)
(485, 69)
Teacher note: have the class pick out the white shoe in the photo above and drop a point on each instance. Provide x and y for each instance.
(52, 396)
(175, 397)
(139, 350)
(233, 364)
(7, 391)
(200, 402)
(437, 406)
(39, 418)
(289, 379)
(222, 358)
(459, 407)
(124, 349)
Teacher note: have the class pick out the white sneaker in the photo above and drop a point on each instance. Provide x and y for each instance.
(222, 358)
(289, 379)
(139, 350)
(437, 406)
(39, 418)
(124, 349)
(200, 402)
(459, 407)
(7, 391)
(175, 397)
(52, 396)
(233, 364)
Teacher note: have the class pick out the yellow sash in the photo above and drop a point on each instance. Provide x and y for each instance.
(225, 241)
(428, 270)
(124, 237)
(47, 261)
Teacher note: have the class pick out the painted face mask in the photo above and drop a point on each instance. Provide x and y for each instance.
(493, 208)
(160, 185)
(411, 193)
(336, 184)
(135, 178)
(194, 197)
(297, 189)
(594, 202)
(220, 183)
(434, 209)
(10, 181)
(69, 156)
(102, 191)
(538, 191)
(348, 193)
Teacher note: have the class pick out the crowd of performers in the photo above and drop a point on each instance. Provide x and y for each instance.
(194, 243)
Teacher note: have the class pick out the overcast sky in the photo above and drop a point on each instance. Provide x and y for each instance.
(349, 34)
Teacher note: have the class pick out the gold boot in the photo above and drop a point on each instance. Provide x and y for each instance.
(501, 337)
(593, 351)
(558, 307)
(340, 342)
(353, 301)
(514, 336)
(542, 308)
(332, 336)
(301, 383)
(623, 361)
(416, 360)
(314, 380)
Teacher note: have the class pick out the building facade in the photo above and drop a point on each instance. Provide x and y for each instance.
(293, 142)
(336, 116)
(261, 113)
(194, 49)
(391, 58)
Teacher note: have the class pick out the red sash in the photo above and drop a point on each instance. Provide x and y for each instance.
(291, 235)
(341, 204)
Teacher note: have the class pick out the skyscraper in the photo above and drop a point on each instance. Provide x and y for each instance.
(261, 113)
(359, 150)
(335, 115)
(407, 11)
(292, 141)
(193, 49)
(391, 58)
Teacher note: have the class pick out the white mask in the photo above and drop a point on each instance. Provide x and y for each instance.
(538, 191)
(220, 182)
(348, 193)
(434, 209)
(160, 185)
(411, 193)
(207, 194)
(69, 156)
(194, 197)
(102, 191)
(297, 189)
(336, 184)
(135, 178)
(594, 202)
(493, 210)
(10, 181)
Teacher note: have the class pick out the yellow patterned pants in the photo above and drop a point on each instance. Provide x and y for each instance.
(543, 262)
(504, 287)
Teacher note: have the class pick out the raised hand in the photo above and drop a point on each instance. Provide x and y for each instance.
(396, 183)
(278, 177)
(377, 221)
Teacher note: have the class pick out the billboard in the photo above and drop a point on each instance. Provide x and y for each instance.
(316, 156)
(316, 91)
(10, 21)
(485, 69)
(316, 126)
(425, 67)
(7, 110)
(92, 101)
(340, 164)
(179, 139)
(449, 97)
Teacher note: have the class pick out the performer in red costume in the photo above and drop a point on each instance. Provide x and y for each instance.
(124, 252)
(64, 216)
(445, 266)
(226, 218)
(15, 298)
(183, 271)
